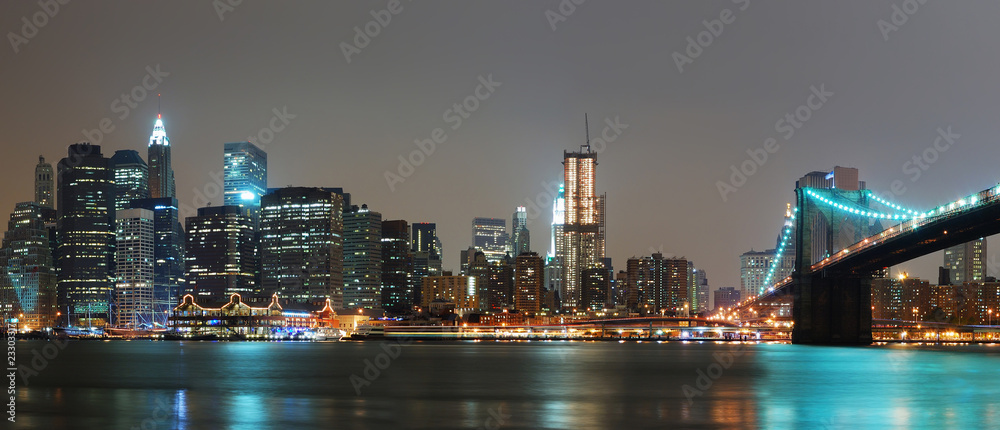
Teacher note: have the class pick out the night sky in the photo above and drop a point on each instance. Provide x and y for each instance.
(352, 120)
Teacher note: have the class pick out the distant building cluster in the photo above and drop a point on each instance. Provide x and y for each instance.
(104, 244)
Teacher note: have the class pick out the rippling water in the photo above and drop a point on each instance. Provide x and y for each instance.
(528, 385)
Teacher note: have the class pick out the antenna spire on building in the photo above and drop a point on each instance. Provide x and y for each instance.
(586, 124)
(158, 106)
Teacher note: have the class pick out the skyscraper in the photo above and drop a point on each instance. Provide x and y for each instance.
(425, 238)
(44, 184)
(426, 248)
(161, 173)
(86, 219)
(131, 178)
(966, 262)
(753, 271)
(302, 245)
(554, 269)
(397, 267)
(134, 254)
(583, 239)
(168, 254)
(660, 284)
(528, 278)
(520, 237)
(220, 253)
(245, 177)
(362, 258)
(28, 283)
(489, 235)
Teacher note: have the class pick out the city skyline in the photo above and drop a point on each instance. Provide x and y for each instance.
(818, 145)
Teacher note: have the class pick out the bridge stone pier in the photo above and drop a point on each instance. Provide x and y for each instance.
(834, 310)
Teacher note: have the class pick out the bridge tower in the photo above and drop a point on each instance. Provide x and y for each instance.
(829, 308)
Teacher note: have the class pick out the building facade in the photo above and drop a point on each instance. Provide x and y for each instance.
(529, 277)
(131, 178)
(161, 172)
(966, 262)
(725, 298)
(397, 267)
(244, 177)
(134, 260)
(44, 184)
(28, 283)
(302, 244)
(220, 252)
(86, 236)
(583, 226)
(489, 236)
(168, 254)
(362, 258)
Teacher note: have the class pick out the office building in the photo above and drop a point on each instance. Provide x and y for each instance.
(426, 249)
(595, 289)
(554, 267)
(725, 298)
(460, 290)
(583, 224)
(131, 178)
(397, 267)
(168, 254)
(86, 236)
(528, 279)
(28, 285)
(134, 257)
(302, 245)
(161, 172)
(966, 262)
(489, 236)
(44, 184)
(220, 253)
(245, 177)
(660, 284)
(362, 258)
(520, 237)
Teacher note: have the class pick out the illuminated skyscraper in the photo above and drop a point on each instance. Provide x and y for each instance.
(28, 283)
(168, 254)
(397, 267)
(966, 262)
(131, 178)
(556, 256)
(245, 177)
(583, 227)
(86, 236)
(362, 258)
(302, 245)
(220, 253)
(520, 236)
(134, 255)
(44, 184)
(489, 236)
(161, 173)
(528, 280)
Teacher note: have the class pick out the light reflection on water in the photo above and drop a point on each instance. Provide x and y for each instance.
(554, 385)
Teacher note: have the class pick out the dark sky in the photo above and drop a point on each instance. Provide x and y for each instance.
(608, 58)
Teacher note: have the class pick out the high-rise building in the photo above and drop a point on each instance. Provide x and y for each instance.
(245, 177)
(161, 172)
(426, 248)
(595, 288)
(489, 235)
(425, 238)
(660, 284)
(496, 281)
(520, 236)
(86, 236)
(362, 258)
(28, 283)
(397, 267)
(134, 258)
(556, 256)
(302, 245)
(131, 178)
(460, 290)
(220, 253)
(726, 298)
(699, 297)
(583, 224)
(528, 278)
(44, 184)
(168, 254)
(966, 262)
(754, 266)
